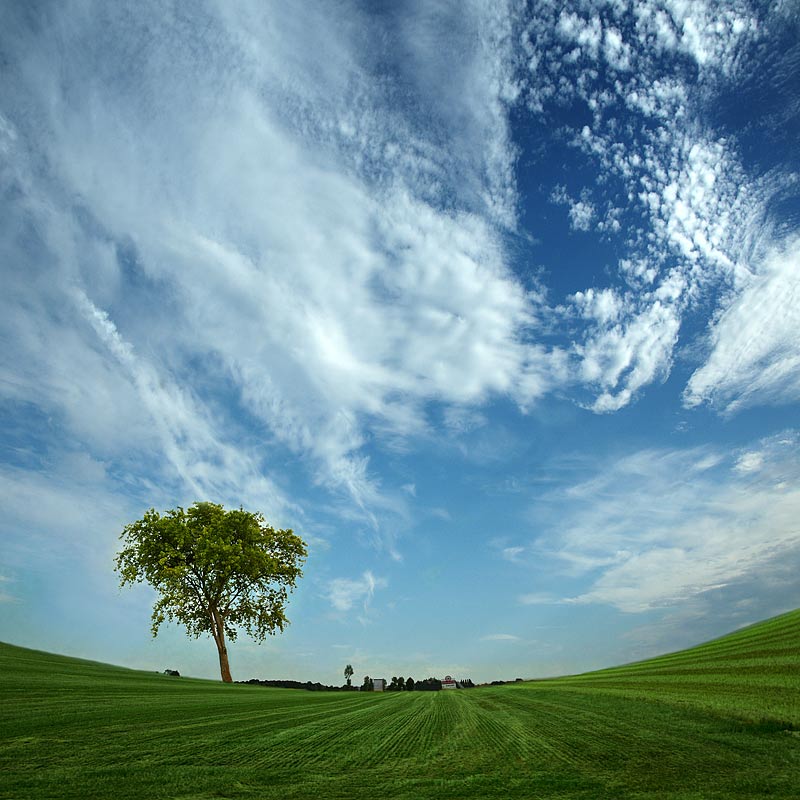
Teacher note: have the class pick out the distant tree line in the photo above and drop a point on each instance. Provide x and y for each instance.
(308, 685)
(400, 684)
(397, 684)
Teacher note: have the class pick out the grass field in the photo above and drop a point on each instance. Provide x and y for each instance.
(717, 721)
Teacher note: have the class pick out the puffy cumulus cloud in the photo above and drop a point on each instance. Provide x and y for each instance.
(586, 33)
(581, 215)
(617, 52)
(345, 593)
(687, 210)
(603, 305)
(659, 528)
(707, 31)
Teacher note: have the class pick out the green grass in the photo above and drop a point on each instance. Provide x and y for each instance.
(718, 721)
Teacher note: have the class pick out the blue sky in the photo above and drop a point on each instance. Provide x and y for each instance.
(496, 306)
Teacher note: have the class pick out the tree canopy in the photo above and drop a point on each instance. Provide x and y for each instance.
(216, 571)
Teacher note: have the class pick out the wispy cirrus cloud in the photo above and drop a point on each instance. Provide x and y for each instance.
(755, 352)
(656, 529)
(346, 593)
(289, 227)
(539, 599)
(286, 232)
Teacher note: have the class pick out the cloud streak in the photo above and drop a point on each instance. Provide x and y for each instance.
(346, 593)
(755, 352)
(658, 528)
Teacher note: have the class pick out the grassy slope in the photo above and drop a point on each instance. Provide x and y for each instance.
(711, 722)
(753, 674)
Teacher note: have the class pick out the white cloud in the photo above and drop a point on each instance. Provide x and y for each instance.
(272, 223)
(500, 637)
(512, 553)
(262, 220)
(462, 420)
(648, 531)
(345, 593)
(601, 305)
(632, 354)
(705, 30)
(586, 33)
(616, 51)
(755, 349)
(703, 211)
(749, 462)
(708, 461)
(581, 215)
(539, 599)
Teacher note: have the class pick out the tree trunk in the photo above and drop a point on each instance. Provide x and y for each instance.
(219, 638)
(224, 668)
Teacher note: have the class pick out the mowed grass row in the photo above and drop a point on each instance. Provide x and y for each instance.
(687, 725)
(752, 674)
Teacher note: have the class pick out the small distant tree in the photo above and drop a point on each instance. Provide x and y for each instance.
(368, 685)
(409, 684)
(401, 683)
(214, 570)
(348, 673)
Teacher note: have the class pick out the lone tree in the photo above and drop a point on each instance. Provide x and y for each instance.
(215, 571)
(348, 673)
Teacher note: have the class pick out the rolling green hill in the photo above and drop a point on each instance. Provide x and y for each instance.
(718, 721)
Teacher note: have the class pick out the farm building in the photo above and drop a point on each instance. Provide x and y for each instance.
(379, 684)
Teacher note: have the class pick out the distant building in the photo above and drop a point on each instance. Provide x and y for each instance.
(379, 684)
(449, 683)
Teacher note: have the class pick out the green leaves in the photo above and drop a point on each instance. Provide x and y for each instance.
(216, 571)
